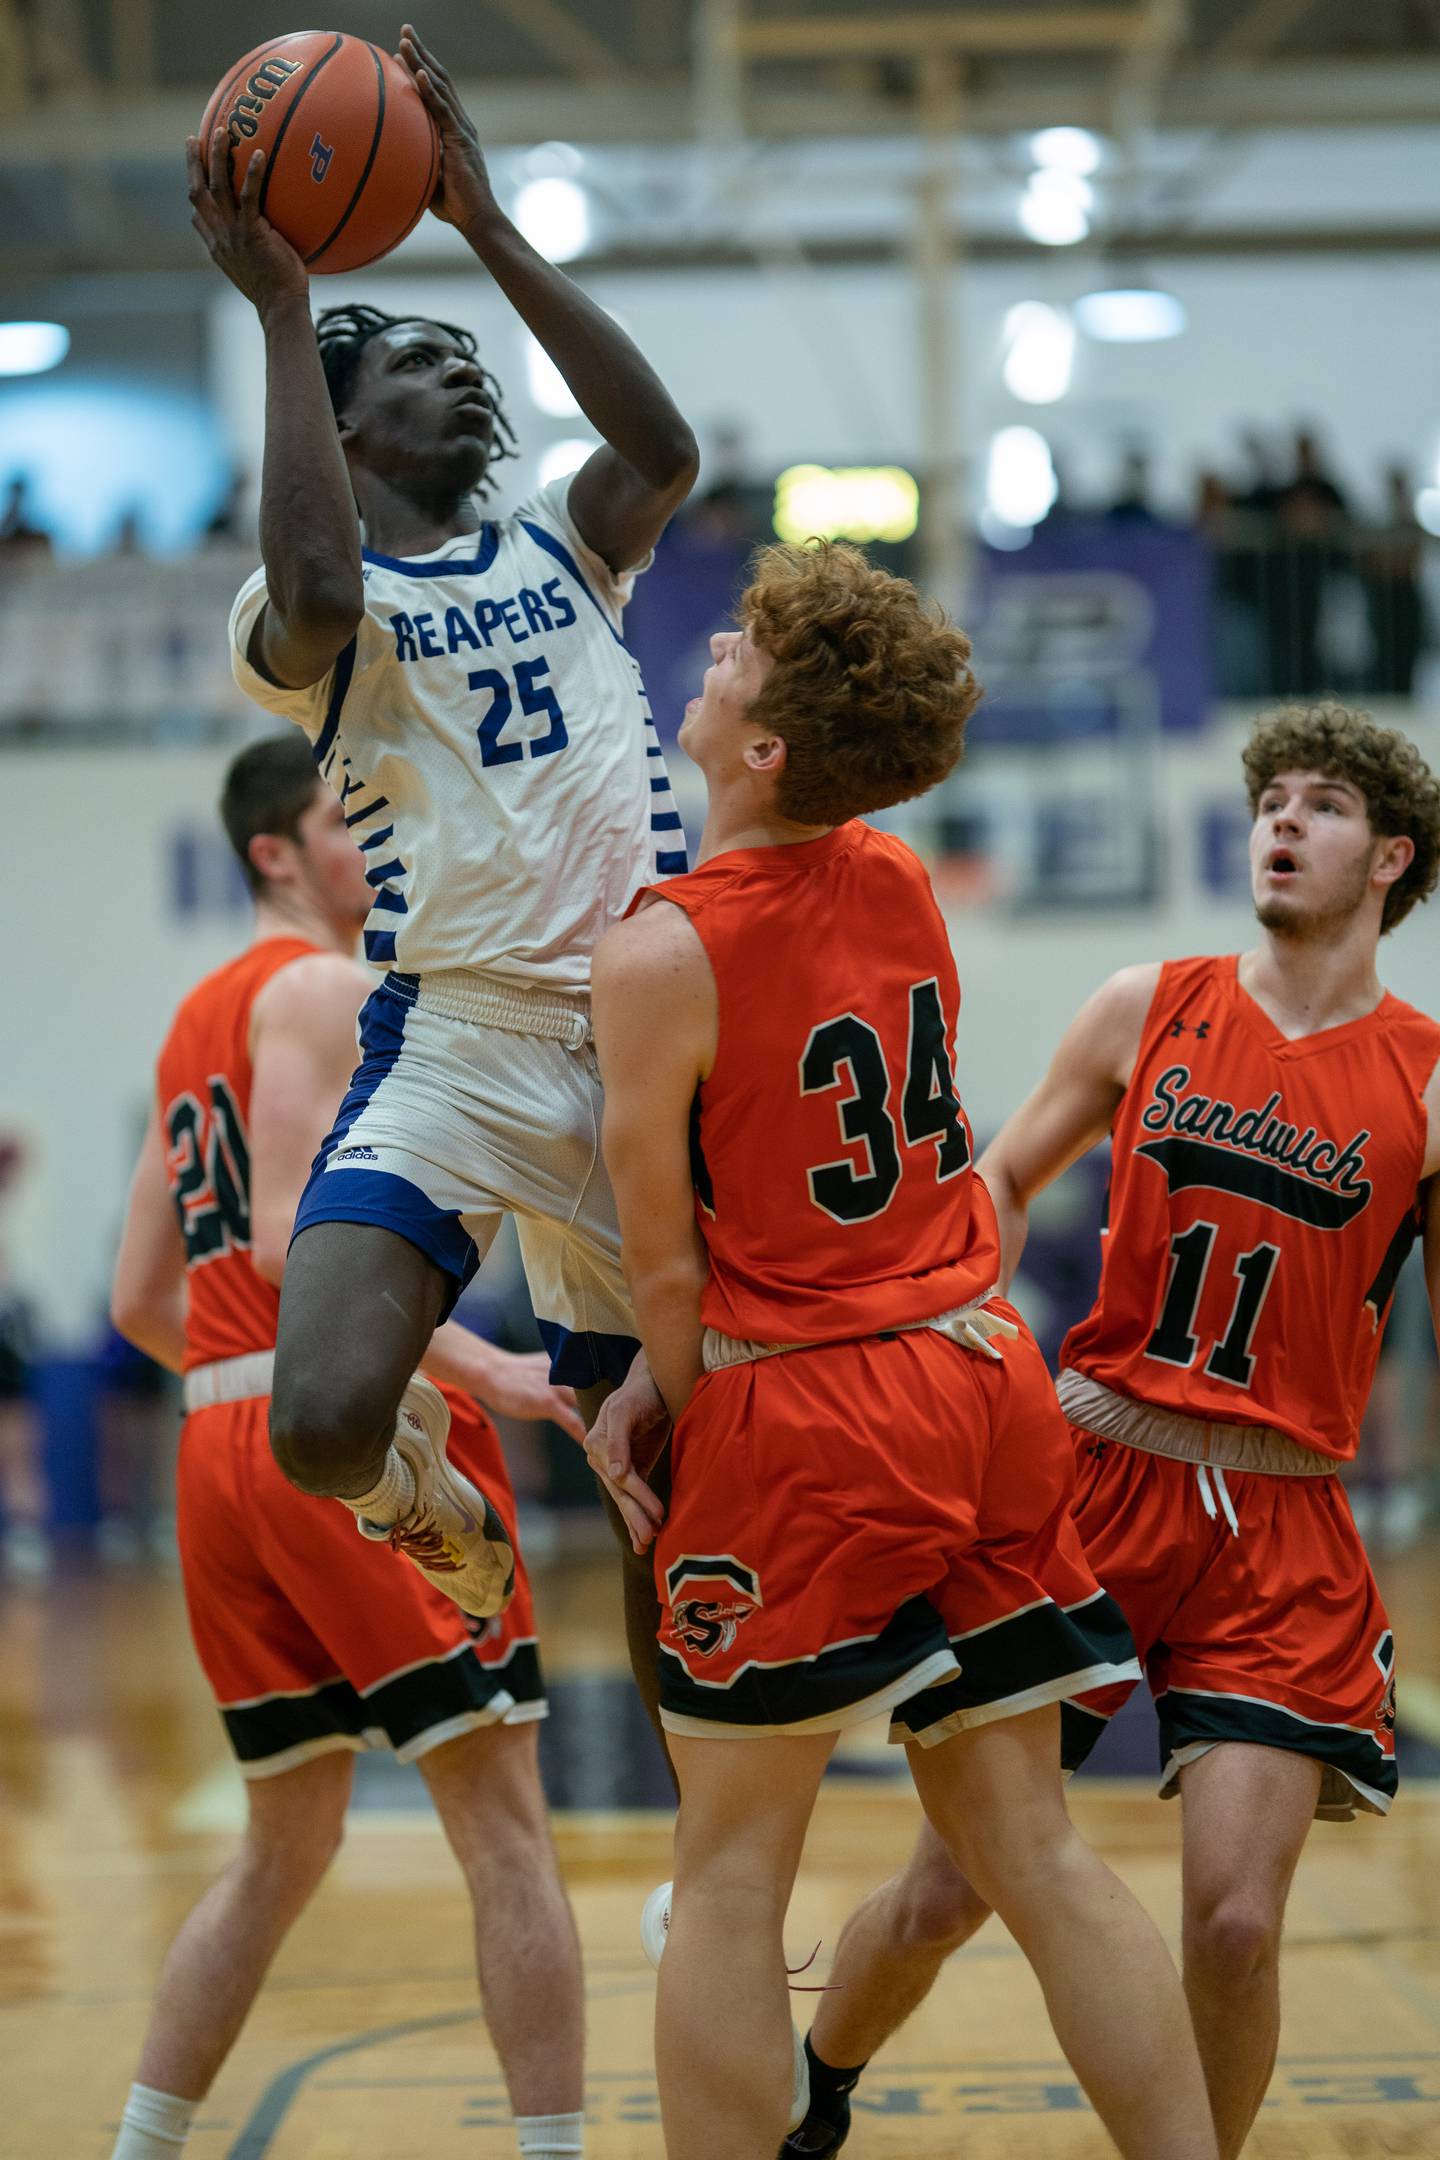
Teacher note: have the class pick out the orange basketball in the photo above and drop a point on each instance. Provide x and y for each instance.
(351, 154)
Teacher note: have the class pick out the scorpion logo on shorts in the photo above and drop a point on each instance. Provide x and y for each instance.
(721, 1592)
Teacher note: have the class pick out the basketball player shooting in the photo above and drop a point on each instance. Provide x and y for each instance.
(1275, 1127)
(465, 689)
(871, 1497)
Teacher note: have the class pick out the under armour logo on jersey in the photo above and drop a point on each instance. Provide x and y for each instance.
(321, 153)
(1201, 1030)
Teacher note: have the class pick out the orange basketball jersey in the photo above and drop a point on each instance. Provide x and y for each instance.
(1263, 1196)
(833, 1162)
(203, 1081)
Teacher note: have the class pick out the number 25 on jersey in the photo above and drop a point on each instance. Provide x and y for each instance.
(536, 698)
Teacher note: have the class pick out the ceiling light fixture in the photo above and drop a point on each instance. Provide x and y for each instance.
(1055, 208)
(30, 348)
(1040, 352)
(1067, 149)
(1130, 315)
(554, 215)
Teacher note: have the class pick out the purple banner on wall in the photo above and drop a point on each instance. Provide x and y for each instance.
(689, 591)
(1092, 627)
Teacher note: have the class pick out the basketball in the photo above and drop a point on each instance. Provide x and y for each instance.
(352, 156)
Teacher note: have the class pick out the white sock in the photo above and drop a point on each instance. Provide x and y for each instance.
(154, 2125)
(550, 2137)
(393, 1498)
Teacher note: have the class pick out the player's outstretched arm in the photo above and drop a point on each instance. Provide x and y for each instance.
(1071, 1109)
(624, 497)
(309, 528)
(655, 1021)
(147, 1294)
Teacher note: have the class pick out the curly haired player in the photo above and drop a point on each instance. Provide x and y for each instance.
(1275, 1122)
(859, 1479)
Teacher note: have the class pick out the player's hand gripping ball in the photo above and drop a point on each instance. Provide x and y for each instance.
(351, 154)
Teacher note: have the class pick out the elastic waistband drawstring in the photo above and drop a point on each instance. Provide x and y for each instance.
(1206, 1476)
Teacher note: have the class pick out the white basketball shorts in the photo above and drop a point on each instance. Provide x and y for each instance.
(474, 1100)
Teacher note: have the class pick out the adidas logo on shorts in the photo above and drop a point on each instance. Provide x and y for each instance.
(356, 1154)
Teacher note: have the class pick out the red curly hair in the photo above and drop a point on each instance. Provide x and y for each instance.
(871, 686)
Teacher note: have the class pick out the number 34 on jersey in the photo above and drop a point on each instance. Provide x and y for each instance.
(846, 1054)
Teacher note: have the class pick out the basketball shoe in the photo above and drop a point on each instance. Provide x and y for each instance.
(452, 1534)
(827, 2120)
(654, 1929)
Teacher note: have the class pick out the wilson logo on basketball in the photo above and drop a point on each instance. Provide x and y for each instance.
(722, 1592)
(244, 116)
(320, 156)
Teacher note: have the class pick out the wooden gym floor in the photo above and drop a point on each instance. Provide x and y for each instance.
(116, 1808)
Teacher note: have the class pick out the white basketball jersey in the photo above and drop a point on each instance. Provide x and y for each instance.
(491, 739)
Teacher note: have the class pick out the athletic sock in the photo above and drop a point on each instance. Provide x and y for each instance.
(829, 2086)
(393, 1498)
(154, 2125)
(550, 2137)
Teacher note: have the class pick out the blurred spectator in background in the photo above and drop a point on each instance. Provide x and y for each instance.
(717, 517)
(1394, 1483)
(1063, 510)
(22, 1486)
(1391, 561)
(1247, 568)
(1235, 621)
(129, 538)
(1308, 596)
(230, 524)
(1259, 489)
(19, 533)
(139, 1431)
(1132, 504)
(1310, 515)
(731, 508)
(1312, 500)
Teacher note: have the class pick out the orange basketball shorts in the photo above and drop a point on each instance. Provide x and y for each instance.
(1255, 1613)
(875, 1526)
(314, 1638)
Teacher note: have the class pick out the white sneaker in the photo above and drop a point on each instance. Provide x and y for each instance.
(452, 1535)
(654, 1931)
(655, 1922)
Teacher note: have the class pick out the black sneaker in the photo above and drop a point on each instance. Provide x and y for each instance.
(821, 2133)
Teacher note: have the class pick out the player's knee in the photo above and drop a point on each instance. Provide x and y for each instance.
(322, 1429)
(1232, 1939)
(289, 1860)
(936, 1908)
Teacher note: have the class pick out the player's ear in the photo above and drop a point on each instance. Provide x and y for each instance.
(766, 754)
(1393, 857)
(267, 852)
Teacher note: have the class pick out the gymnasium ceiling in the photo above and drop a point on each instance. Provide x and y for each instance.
(1232, 125)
